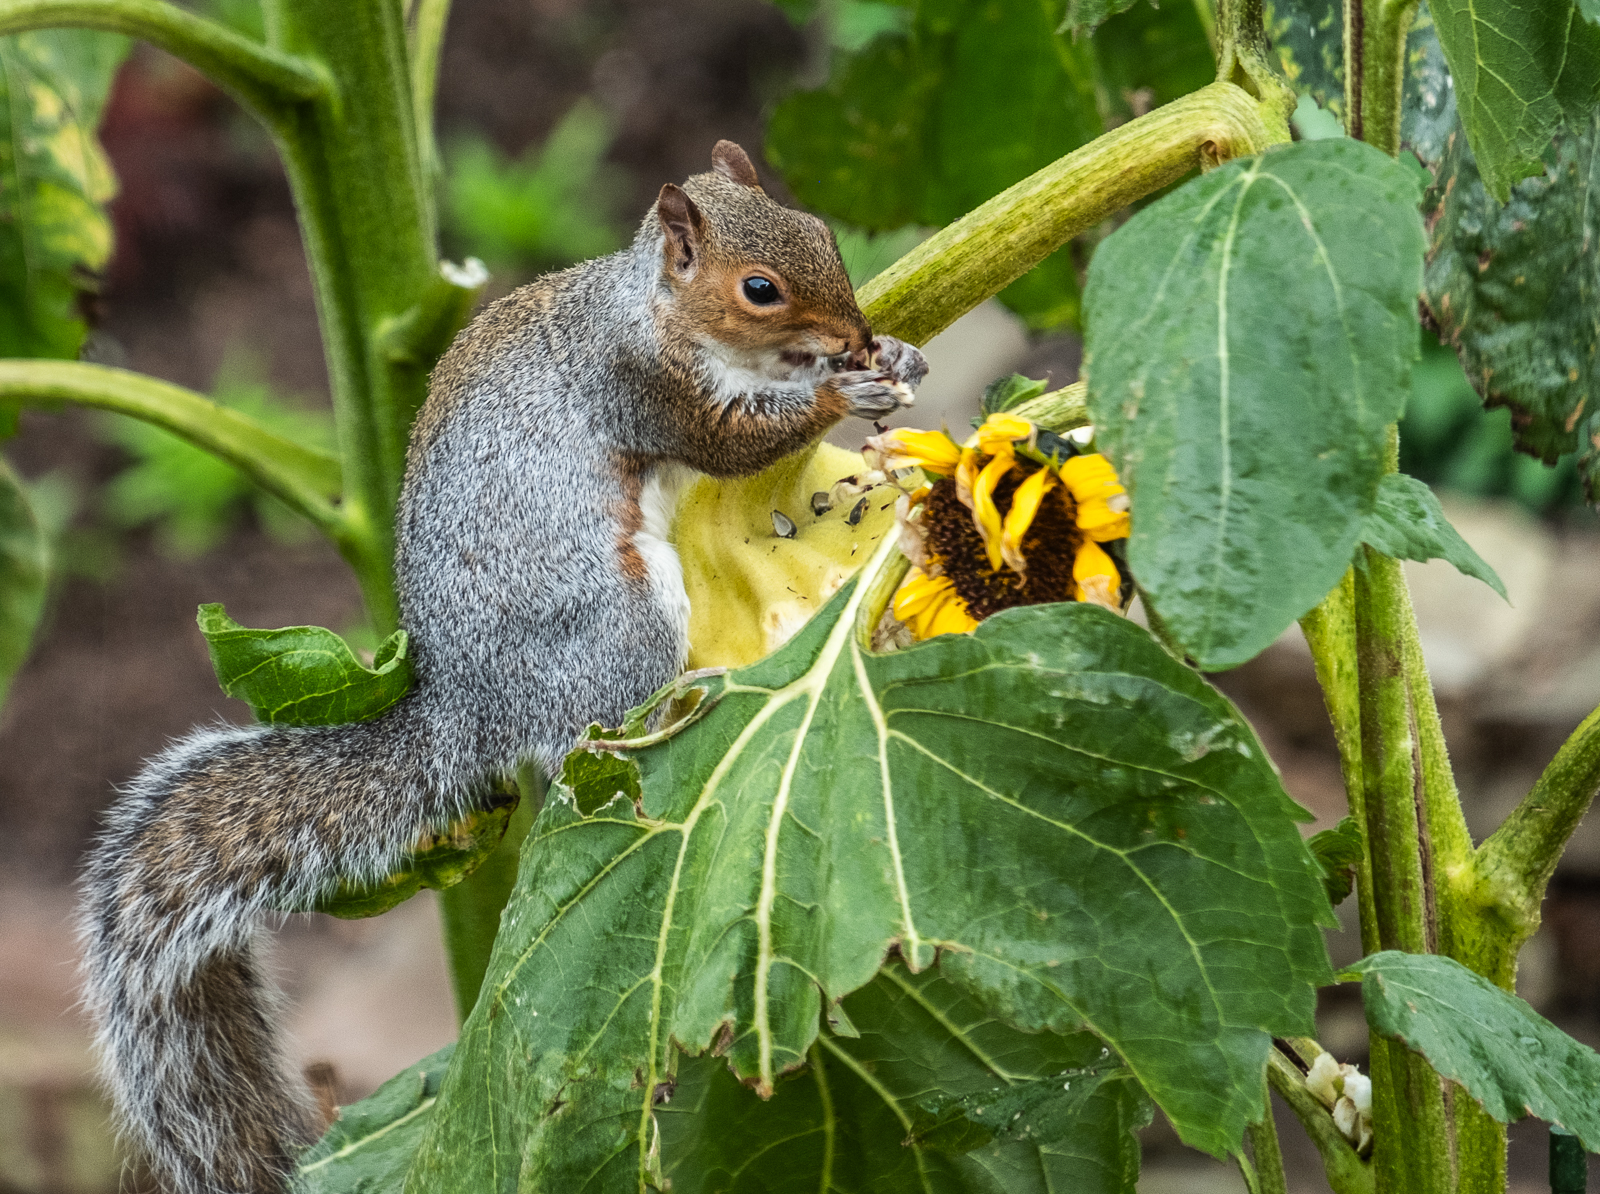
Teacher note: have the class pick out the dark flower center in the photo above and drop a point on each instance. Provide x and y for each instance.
(1050, 546)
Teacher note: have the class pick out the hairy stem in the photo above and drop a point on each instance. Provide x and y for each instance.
(264, 79)
(995, 244)
(301, 477)
(1266, 1151)
(1347, 1172)
(1375, 58)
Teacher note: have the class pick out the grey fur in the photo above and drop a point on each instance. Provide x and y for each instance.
(532, 612)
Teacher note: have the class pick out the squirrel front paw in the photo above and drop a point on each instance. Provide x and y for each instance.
(872, 394)
(901, 361)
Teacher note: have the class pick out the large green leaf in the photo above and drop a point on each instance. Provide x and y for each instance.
(1409, 524)
(923, 1090)
(1514, 291)
(1076, 825)
(303, 675)
(370, 1145)
(1507, 1056)
(923, 125)
(1249, 339)
(22, 575)
(1521, 68)
(54, 184)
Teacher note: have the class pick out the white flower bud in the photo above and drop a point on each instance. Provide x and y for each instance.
(1358, 1089)
(1322, 1081)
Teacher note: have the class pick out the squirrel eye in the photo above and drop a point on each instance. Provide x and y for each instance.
(760, 291)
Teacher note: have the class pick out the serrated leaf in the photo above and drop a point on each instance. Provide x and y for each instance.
(1249, 339)
(1409, 524)
(919, 127)
(23, 561)
(1505, 1054)
(370, 1145)
(1520, 68)
(932, 1090)
(55, 181)
(1083, 16)
(1005, 392)
(1128, 859)
(1338, 852)
(1516, 290)
(303, 675)
(1309, 38)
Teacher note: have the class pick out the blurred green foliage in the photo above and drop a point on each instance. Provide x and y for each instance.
(554, 205)
(194, 498)
(915, 126)
(1448, 440)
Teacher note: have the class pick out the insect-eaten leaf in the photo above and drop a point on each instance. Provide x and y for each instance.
(438, 861)
(303, 675)
(1338, 852)
(1408, 523)
(1490, 1042)
(55, 182)
(23, 574)
(1249, 339)
(1520, 304)
(370, 1145)
(1128, 855)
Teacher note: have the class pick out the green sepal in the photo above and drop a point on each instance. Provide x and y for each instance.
(303, 675)
(1006, 392)
(1408, 523)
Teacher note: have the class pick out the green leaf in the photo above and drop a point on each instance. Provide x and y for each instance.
(1510, 291)
(1506, 1055)
(1409, 524)
(303, 675)
(929, 1089)
(54, 184)
(1520, 69)
(1249, 339)
(370, 1145)
(1003, 393)
(1428, 101)
(22, 574)
(1127, 860)
(1309, 38)
(919, 127)
(1338, 852)
(1084, 15)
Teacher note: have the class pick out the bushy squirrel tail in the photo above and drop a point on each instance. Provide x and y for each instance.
(213, 833)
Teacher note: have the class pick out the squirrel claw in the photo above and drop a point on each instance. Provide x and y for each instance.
(902, 361)
(873, 395)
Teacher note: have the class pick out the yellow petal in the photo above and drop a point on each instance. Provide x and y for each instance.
(933, 451)
(1101, 523)
(1098, 580)
(929, 605)
(1024, 505)
(918, 592)
(998, 430)
(950, 618)
(985, 514)
(966, 475)
(1090, 477)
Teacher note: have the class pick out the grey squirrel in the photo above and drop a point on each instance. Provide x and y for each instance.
(541, 593)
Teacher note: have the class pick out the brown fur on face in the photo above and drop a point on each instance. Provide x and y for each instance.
(710, 255)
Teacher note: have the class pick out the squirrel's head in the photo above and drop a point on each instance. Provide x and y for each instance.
(751, 274)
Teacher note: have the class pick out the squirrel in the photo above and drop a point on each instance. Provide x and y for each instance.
(541, 593)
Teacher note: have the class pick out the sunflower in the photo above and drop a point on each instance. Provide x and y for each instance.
(1000, 524)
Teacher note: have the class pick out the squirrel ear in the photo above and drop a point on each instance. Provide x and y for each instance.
(733, 163)
(684, 225)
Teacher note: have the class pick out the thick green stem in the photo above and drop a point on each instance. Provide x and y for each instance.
(1375, 59)
(1347, 1172)
(366, 221)
(1266, 1151)
(428, 21)
(471, 909)
(264, 79)
(992, 246)
(302, 477)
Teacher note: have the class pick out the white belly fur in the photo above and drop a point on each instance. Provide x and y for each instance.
(658, 503)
